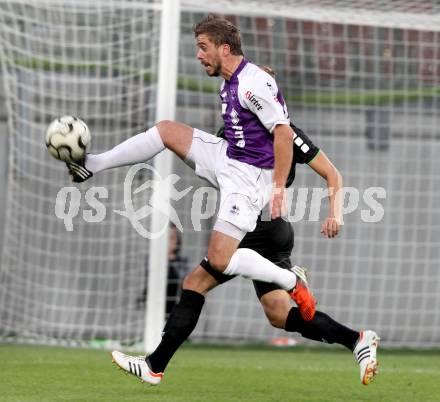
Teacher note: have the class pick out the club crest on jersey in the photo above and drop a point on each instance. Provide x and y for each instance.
(251, 98)
(235, 210)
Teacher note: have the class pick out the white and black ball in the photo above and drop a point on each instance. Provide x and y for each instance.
(67, 139)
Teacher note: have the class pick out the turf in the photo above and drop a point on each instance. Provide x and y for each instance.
(218, 374)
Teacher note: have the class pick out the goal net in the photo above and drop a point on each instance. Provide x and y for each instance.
(96, 60)
(362, 80)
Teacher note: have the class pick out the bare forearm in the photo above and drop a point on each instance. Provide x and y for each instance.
(283, 152)
(334, 185)
(322, 165)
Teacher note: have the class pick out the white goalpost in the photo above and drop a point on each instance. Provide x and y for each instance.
(361, 78)
(165, 109)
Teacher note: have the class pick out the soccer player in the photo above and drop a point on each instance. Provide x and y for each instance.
(249, 167)
(274, 240)
(257, 150)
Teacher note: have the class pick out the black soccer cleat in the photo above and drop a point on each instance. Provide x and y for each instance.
(78, 171)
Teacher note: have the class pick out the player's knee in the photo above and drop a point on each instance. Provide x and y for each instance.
(276, 310)
(166, 128)
(218, 260)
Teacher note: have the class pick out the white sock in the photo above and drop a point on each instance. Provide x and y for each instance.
(250, 264)
(137, 149)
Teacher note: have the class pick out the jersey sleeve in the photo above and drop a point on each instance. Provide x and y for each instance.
(259, 94)
(303, 150)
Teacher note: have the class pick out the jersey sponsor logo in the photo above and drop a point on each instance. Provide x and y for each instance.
(252, 99)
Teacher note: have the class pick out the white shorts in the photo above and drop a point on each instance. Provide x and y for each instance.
(244, 189)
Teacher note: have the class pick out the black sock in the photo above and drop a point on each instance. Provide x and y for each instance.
(180, 324)
(322, 329)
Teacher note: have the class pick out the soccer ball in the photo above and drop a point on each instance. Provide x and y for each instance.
(67, 139)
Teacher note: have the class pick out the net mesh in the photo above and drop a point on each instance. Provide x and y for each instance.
(362, 80)
(424, 15)
(366, 92)
(96, 60)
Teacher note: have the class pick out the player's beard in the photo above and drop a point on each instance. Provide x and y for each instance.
(217, 68)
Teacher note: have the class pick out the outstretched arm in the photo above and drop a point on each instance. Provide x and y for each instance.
(322, 165)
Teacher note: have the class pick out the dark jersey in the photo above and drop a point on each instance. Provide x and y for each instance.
(274, 239)
(303, 152)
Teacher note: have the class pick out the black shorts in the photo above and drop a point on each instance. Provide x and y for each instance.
(273, 240)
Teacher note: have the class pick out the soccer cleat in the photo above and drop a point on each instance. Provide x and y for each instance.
(137, 366)
(365, 354)
(78, 171)
(302, 295)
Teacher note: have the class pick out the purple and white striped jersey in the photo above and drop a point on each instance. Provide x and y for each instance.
(252, 106)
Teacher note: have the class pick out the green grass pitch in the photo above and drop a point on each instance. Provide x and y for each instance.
(223, 374)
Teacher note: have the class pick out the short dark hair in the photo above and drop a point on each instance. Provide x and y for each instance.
(220, 31)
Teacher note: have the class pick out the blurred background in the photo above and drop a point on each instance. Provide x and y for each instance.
(362, 79)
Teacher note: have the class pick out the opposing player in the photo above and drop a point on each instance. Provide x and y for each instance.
(252, 160)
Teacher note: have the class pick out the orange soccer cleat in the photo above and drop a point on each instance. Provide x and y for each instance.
(302, 295)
